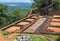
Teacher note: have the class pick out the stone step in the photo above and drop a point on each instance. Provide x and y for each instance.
(54, 29)
(56, 20)
(30, 19)
(55, 24)
(56, 15)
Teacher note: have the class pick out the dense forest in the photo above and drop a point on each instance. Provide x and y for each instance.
(6, 19)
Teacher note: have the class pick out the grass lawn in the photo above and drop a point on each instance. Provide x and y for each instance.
(37, 38)
(52, 36)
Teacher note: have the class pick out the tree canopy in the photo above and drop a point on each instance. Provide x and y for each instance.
(8, 18)
(3, 9)
(41, 3)
(3, 15)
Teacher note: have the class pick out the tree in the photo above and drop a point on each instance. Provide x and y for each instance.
(16, 12)
(39, 3)
(3, 15)
(3, 9)
(42, 3)
(56, 4)
(2, 21)
(15, 15)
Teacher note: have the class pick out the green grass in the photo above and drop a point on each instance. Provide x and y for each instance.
(6, 33)
(14, 38)
(37, 38)
(52, 36)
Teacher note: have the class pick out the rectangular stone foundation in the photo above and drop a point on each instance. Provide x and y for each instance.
(40, 26)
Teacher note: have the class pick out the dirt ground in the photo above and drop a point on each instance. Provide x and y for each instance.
(7, 37)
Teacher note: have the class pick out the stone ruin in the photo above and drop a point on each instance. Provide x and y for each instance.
(23, 38)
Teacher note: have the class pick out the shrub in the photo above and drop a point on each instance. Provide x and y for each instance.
(6, 33)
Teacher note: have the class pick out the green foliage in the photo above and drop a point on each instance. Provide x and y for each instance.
(56, 4)
(15, 15)
(37, 38)
(3, 15)
(4, 7)
(2, 21)
(52, 36)
(8, 18)
(6, 33)
(58, 39)
(37, 3)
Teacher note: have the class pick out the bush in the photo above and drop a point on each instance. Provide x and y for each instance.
(6, 33)
(58, 39)
(56, 4)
